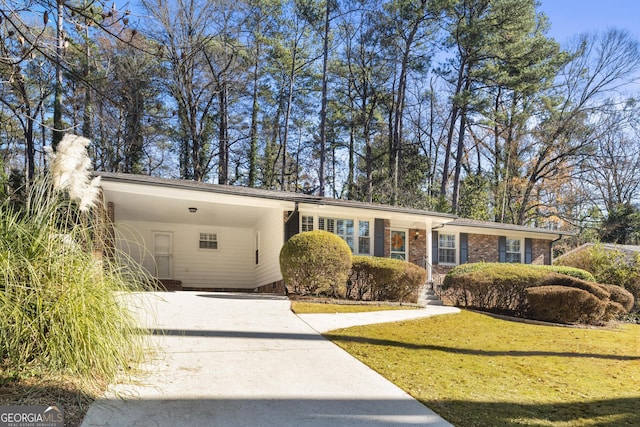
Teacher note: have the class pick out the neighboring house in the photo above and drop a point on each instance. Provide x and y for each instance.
(199, 236)
(629, 251)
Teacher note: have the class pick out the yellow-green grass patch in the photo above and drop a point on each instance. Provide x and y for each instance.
(476, 370)
(301, 307)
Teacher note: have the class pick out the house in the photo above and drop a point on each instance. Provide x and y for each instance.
(630, 252)
(198, 236)
(464, 240)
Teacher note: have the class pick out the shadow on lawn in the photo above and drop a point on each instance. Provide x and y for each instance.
(471, 351)
(600, 413)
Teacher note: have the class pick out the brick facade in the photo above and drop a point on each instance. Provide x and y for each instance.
(417, 246)
(483, 248)
(541, 252)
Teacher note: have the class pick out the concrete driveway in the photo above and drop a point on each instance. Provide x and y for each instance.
(247, 360)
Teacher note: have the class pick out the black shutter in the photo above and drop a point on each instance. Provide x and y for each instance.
(378, 237)
(528, 251)
(434, 248)
(292, 226)
(464, 248)
(502, 249)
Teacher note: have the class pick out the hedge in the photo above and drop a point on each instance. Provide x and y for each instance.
(384, 279)
(562, 304)
(608, 266)
(506, 288)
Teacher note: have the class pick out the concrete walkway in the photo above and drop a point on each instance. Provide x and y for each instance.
(247, 360)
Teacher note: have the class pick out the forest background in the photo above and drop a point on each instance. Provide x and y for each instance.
(461, 106)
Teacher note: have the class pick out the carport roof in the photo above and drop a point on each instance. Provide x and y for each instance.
(233, 190)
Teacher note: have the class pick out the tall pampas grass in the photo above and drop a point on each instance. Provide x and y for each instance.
(71, 171)
(61, 304)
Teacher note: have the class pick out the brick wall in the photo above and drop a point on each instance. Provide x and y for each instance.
(541, 252)
(483, 248)
(387, 238)
(417, 239)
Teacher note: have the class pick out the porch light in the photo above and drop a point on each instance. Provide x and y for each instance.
(193, 210)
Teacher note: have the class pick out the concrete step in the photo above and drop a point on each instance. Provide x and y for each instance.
(427, 296)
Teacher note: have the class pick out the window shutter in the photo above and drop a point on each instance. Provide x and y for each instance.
(464, 248)
(434, 248)
(528, 251)
(502, 249)
(378, 237)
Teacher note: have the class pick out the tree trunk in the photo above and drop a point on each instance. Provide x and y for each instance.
(323, 107)
(57, 100)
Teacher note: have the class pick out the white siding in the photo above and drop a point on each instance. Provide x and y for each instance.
(271, 229)
(231, 266)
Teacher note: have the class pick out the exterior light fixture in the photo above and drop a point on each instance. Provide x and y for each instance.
(193, 210)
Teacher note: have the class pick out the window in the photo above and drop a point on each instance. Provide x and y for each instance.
(359, 243)
(364, 238)
(344, 229)
(398, 244)
(446, 248)
(513, 250)
(306, 223)
(208, 241)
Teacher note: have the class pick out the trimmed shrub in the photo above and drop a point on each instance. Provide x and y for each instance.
(384, 279)
(598, 290)
(578, 273)
(315, 263)
(613, 311)
(608, 266)
(562, 304)
(621, 296)
(504, 288)
(491, 286)
(483, 266)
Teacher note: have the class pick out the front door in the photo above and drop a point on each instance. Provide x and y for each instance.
(163, 253)
(399, 244)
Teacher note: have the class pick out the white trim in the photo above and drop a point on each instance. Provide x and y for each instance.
(506, 247)
(456, 249)
(217, 240)
(257, 258)
(168, 255)
(406, 242)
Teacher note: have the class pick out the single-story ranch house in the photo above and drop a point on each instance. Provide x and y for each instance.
(198, 236)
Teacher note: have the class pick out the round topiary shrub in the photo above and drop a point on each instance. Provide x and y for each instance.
(316, 263)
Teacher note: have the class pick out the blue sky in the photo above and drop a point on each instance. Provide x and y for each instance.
(571, 17)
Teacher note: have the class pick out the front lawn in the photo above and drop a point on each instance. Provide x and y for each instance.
(300, 307)
(476, 370)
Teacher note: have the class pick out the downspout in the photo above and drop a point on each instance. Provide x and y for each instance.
(286, 221)
(293, 212)
(560, 236)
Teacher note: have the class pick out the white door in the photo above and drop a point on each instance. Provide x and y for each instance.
(163, 252)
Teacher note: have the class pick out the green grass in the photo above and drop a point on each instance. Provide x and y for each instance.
(300, 307)
(476, 370)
